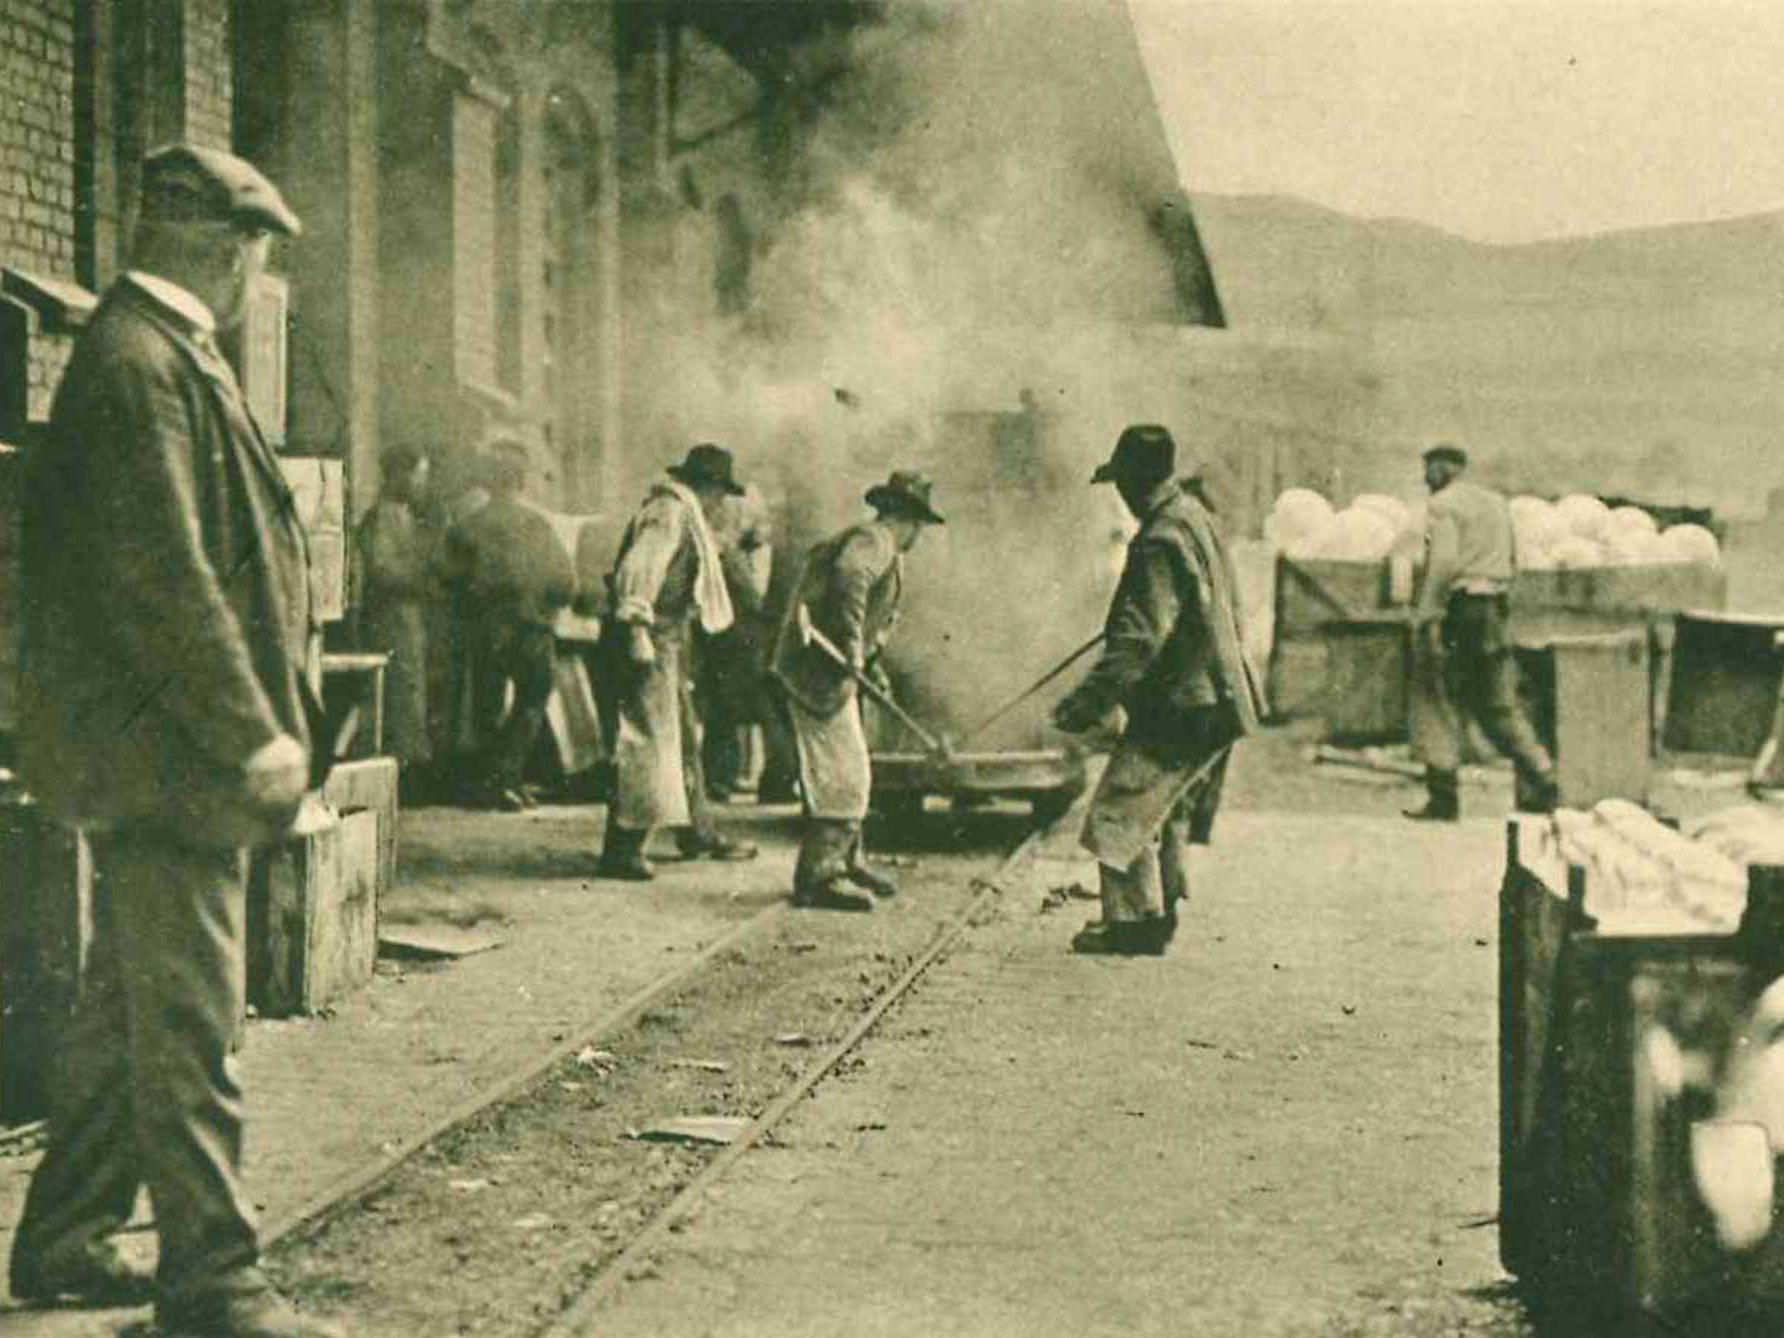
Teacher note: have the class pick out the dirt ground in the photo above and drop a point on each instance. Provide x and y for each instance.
(1288, 1126)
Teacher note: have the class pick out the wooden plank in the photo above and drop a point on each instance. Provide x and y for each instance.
(369, 782)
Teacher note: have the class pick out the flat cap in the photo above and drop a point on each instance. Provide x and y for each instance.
(1447, 454)
(189, 183)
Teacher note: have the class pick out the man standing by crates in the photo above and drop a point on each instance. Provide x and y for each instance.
(1174, 662)
(843, 608)
(165, 709)
(1464, 650)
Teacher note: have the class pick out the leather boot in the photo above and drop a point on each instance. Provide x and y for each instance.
(1444, 801)
(96, 1274)
(862, 874)
(821, 878)
(623, 856)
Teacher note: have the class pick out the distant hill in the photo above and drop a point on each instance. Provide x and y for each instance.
(1644, 362)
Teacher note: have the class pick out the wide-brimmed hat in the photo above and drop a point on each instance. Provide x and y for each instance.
(908, 493)
(191, 183)
(1144, 452)
(708, 466)
(1444, 453)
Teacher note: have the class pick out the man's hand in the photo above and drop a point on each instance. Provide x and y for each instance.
(641, 648)
(277, 775)
(1074, 715)
(877, 675)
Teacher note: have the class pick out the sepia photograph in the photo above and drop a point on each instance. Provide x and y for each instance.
(891, 668)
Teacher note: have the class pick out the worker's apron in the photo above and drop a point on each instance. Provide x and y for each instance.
(834, 766)
(1140, 789)
(651, 786)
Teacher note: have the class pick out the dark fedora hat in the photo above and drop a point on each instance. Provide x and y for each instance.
(708, 466)
(908, 493)
(188, 183)
(1144, 452)
(1444, 453)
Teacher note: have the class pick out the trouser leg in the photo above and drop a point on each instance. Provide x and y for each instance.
(780, 751)
(182, 911)
(702, 828)
(1486, 683)
(1173, 859)
(1136, 893)
(824, 848)
(528, 664)
(85, 1186)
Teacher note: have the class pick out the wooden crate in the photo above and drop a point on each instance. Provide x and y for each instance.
(1589, 700)
(1597, 1198)
(1367, 693)
(46, 873)
(313, 903)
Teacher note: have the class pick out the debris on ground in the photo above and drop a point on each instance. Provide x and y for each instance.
(436, 942)
(474, 1186)
(720, 1130)
(1064, 894)
(532, 1222)
(703, 1065)
(792, 1038)
(590, 1058)
(802, 945)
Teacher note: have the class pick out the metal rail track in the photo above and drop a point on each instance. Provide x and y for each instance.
(360, 1181)
(580, 1317)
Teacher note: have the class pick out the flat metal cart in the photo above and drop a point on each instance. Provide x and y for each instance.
(1048, 778)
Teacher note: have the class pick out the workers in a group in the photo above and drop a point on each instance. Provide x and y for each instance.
(842, 610)
(1463, 655)
(1173, 664)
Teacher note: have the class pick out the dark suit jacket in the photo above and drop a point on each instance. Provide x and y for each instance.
(166, 594)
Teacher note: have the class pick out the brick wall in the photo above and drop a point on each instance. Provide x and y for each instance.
(209, 86)
(37, 135)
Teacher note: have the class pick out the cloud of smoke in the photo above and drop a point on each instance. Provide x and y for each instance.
(966, 280)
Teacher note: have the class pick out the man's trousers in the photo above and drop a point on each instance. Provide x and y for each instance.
(144, 1093)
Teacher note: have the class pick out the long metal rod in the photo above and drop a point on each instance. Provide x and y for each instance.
(1032, 688)
(867, 685)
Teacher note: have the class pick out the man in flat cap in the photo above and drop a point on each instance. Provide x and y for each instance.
(849, 591)
(164, 708)
(1463, 655)
(1174, 664)
(669, 573)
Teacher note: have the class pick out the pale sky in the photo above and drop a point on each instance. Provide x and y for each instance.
(1503, 120)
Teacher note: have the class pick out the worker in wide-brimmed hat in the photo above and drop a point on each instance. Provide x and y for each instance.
(848, 591)
(1173, 663)
(1462, 659)
(669, 575)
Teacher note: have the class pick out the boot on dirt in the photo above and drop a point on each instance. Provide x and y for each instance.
(1124, 938)
(862, 874)
(97, 1275)
(623, 857)
(1444, 802)
(821, 879)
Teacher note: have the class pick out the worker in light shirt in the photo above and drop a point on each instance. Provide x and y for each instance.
(1464, 648)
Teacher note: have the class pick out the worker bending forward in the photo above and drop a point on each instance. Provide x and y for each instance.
(1173, 661)
(667, 574)
(1464, 652)
(847, 594)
